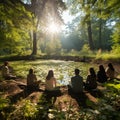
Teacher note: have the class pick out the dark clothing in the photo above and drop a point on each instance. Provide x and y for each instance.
(101, 77)
(91, 83)
(77, 84)
(32, 87)
(79, 97)
(75, 90)
(52, 95)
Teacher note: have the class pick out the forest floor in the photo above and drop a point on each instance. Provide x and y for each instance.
(16, 92)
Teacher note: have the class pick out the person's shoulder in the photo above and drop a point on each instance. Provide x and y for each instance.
(34, 74)
(73, 77)
(5, 67)
(53, 78)
(98, 72)
(28, 75)
(88, 76)
(80, 77)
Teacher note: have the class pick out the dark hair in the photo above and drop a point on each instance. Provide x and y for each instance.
(50, 74)
(111, 66)
(6, 63)
(92, 72)
(101, 68)
(31, 71)
(77, 71)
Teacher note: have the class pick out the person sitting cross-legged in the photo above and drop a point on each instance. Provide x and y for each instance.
(110, 71)
(76, 85)
(101, 75)
(32, 83)
(91, 82)
(6, 74)
(51, 89)
(75, 89)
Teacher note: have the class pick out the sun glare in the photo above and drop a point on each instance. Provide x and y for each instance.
(53, 28)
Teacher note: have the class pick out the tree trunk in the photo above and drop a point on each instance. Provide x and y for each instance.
(100, 28)
(34, 52)
(90, 35)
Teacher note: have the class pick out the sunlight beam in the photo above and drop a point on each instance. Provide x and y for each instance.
(53, 28)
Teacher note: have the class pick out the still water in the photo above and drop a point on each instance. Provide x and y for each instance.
(63, 70)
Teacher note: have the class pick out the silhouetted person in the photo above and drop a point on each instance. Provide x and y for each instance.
(32, 83)
(110, 71)
(6, 71)
(101, 75)
(91, 82)
(51, 89)
(76, 85)
(75, 89)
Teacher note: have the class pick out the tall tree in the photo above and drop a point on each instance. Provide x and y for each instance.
(37, 9)
(101, 10)
(84, 6)
(108, 10)
(40, 9)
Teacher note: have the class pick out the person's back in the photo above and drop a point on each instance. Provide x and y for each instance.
(76, 89)
(32, 83)
(91, 82)
(5, 71)
(51, 89)
(101, 75)
(110, 71)
(31, 79)
(50, 84)
(77, 82)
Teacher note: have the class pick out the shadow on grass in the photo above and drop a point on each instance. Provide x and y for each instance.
(23, 94)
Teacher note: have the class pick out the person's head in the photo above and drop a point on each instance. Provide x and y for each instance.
(111, 66)
(31, 71)
(50, 74)
(77, 71)
(101, 68)
(92, 72)
(6, 63)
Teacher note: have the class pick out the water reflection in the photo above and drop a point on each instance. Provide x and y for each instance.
(65, 80)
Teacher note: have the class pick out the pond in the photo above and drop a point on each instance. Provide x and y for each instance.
(63, 70)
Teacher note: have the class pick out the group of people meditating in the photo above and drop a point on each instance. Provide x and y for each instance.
(76, 86)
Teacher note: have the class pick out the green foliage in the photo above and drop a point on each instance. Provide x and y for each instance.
(86, 49)
(116, 39)
(74, 39)
(53, 47)
(102, 18)
(106, 55)
(3, 102)
(13, 29)
(25, 110)
(5, 107)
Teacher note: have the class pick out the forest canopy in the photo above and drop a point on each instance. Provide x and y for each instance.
(33, 26)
